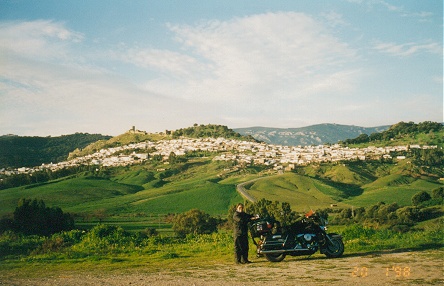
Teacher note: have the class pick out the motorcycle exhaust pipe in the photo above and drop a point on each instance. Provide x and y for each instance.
(278, 251)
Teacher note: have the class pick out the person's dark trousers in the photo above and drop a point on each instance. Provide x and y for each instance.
(241, 249)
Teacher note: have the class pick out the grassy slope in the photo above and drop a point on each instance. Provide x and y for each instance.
(393, 188)
(137, 190)
(195, 184)
(67, 193)
(300, 191)
(352, 184)
(133, 191)
(120, 140)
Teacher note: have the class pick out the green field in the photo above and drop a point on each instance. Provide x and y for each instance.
(133, 191)
(155, 189)
(301, 192)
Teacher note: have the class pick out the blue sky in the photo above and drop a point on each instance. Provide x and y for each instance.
(104, 66)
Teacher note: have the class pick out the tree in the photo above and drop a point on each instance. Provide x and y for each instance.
(408, 215)
(346, 213)
(375, 136)
(387, 212)
(33, 217)
(172, 158)
(371, 212)
(438, 193)
(194, 222)
(279, 211)
(100, 214)
(420, 197)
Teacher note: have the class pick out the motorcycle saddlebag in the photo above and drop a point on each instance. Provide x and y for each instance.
(261, 227)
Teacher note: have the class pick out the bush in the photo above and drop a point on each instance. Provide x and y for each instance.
(437, 197)
(104, 239)
(280, 211)
(420, 197)
(33, 217)
(358, 231)
(408, 215)
(194, 222)
(12, 243)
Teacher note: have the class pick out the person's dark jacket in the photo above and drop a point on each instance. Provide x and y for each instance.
(241, 223)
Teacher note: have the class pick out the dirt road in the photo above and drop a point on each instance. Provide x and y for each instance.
(384, 268)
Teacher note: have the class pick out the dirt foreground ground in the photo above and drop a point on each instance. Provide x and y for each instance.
(384, 268)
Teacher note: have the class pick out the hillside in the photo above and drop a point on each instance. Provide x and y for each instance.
(26, 151)
(176, 175)
(143, 189)
(310, 135)
(131, 137)
(159, 188)
(403, 133)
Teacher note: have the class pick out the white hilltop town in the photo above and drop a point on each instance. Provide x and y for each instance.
(281, 158)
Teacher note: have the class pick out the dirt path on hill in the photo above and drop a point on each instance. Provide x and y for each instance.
(240, 188)
(384, 268)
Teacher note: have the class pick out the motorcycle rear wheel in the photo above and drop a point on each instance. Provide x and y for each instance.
(272, 257)
(335, 248)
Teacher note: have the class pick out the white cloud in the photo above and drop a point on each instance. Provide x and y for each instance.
(274, 69)
(408, 49)
(255, 57)
(40, 39)
(47, 83)
(163, 60)
(248, 69)
(334, 19)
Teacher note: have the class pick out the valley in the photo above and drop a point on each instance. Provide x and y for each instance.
(124, 195)
(147, 175)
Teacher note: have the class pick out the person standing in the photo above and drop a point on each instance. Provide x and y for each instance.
(240, 234)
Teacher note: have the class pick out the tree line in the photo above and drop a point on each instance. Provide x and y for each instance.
(210, 130)
(34, 217)
(397, 131)
(29, 151)
(41, 177)
(392, 215)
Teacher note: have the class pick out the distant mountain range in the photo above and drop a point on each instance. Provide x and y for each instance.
(310, 135)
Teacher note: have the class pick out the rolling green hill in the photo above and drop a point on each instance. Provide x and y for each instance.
(27, 151)
(148, 189)
(68, 192)
(134, 190)
(157, 187)
(120, 140)
(301, 192)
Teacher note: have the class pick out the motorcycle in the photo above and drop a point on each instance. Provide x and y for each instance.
(304, 237)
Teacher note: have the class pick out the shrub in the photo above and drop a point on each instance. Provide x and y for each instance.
(358, 231)
(280, 211)
(194, 222)
(408, 215)
(420, 197)
(33, 217)
(105, 238)
(438, 193)
(12, 243)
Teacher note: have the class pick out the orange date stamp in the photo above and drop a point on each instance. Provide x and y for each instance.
(393, 271)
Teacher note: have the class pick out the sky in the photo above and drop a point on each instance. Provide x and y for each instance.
(103, 66)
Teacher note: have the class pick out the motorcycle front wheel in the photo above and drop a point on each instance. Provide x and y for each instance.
(334, 248)
(273, 257)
